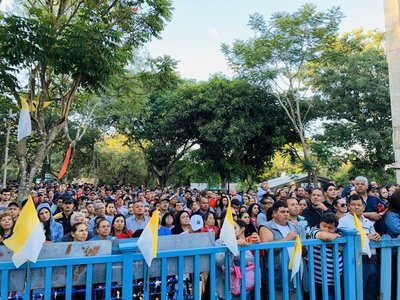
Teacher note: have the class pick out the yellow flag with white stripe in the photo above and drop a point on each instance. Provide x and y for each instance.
(295, 259)
(228, 234)
(24, 122)
(28, 236)
(148, 240)
(364, 239)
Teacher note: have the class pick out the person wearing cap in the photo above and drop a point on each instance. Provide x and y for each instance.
(172, 201)
(163, 205)
(14, 210)
(53, 230)
(197, 223)
(64, 218)
(92, 196)
(120, 207)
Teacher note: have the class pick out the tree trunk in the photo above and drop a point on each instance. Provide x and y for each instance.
(224, 182)
(28, 172)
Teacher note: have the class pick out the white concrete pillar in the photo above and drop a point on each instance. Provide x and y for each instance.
(392, 25)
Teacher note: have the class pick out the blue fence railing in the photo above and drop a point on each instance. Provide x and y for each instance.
(192, 273)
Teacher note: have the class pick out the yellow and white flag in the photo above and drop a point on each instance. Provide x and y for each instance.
(28, 236)
(228, 234)
(148, 240)
(295, 258)
(364, 239)
(24, 122)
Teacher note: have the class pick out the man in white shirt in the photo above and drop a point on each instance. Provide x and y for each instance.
(370, 264)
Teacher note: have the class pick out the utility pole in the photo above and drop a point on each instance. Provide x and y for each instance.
(9, 120)
(392, 25)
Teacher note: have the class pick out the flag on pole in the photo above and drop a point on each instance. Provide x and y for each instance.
(228, 234)
(295, 259)
(28, 236)
(148, 240)
(24, 122)
(66, 162)
(364, 239)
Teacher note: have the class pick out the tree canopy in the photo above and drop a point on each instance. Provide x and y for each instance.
(351, 85)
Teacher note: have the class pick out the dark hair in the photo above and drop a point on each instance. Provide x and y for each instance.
(220, 204)
(355, 198)
(75, 226)
(235, 202)
(278, 204)
(177, 221)
(124, 230)
(210, 213)
(241, 214)
(6, 190)
(394, 202)
(241, 223)
(327, 186)
(250, 209)
(98, 220)
(329, 218)
(189, 203)
(164, 218)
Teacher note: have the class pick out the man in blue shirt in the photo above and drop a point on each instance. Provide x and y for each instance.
(375, 208)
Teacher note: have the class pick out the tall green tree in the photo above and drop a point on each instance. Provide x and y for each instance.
(275, 59)
(160, 127)
(237, 131)
(62, 48)
(351, 85)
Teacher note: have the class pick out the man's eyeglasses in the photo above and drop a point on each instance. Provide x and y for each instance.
(343, 205)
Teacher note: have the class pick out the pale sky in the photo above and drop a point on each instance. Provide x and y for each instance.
(198, 28)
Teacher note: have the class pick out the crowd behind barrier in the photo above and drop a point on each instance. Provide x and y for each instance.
(264, 219)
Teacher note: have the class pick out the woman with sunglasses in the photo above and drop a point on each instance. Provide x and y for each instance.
(340, 206)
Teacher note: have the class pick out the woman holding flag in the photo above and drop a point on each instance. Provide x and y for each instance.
(239, 228)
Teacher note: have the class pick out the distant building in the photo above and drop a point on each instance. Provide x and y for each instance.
(297, 179)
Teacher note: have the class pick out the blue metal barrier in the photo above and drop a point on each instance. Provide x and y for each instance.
(186, 283)
(389, 249)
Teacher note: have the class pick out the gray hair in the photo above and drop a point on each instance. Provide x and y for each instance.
(76, 215)
(362, 178)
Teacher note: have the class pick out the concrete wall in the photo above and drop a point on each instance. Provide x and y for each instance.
(392, 24)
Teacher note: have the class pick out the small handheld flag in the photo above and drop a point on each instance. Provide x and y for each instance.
(364, 239)
(28, 236)
(148, 240)
(228, 232)
(295, 259)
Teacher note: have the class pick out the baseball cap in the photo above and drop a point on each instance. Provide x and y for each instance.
(196, 221)
(67, 199)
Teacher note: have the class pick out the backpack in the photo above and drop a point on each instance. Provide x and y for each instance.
(236, 278)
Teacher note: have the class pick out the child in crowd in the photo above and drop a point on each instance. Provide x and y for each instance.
(326, 230)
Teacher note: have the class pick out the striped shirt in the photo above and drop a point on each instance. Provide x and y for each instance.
(329, 257)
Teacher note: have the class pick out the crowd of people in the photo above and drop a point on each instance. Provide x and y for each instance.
(85, 212)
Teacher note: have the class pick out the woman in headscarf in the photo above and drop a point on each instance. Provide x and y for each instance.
(54, 231)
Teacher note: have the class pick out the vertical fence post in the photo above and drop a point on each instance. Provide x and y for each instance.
(386, 274)
(352, 265)
(127, 250)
